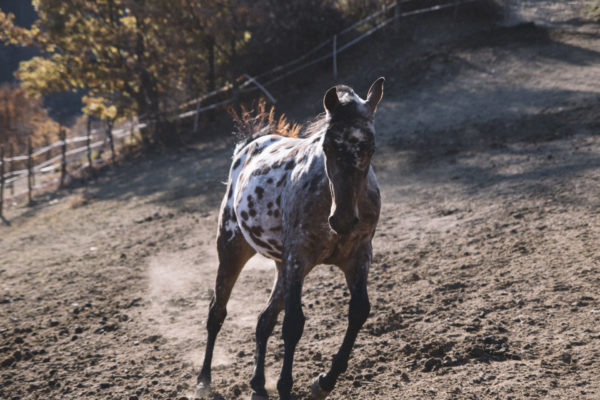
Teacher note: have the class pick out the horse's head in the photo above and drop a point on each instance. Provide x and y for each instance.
(348, 145)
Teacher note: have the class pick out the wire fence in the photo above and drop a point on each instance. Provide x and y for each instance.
(100, 139)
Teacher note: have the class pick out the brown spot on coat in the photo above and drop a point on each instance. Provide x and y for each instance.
(259, 242)
(263, 170)
(282, 180)
(252, 212)
(259, 192)
(257, 230)
(270, 180)
(257, 150)
(289, 165)
(244, 215)
(274, 254)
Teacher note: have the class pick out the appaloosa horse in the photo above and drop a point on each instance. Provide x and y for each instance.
(301, 202)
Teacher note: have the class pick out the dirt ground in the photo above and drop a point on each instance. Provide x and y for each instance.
(485, 282)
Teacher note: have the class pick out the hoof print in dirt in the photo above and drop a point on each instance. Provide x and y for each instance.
(385, 323)
(490, 348)
(432, 364)
(151, 339)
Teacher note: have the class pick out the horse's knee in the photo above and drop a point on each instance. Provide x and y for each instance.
(359, 310)
(293, 325)
(216, 315)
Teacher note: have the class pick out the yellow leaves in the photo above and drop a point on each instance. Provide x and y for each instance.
(11, 33)
(112, 51)
(111, 112)
(40, 76)
(99, 107)
(129, 22)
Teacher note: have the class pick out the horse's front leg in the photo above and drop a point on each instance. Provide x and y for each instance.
(356, 272)
(264, 328)
(293, 321)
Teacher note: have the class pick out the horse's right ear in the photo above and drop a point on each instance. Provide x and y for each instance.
(330, 101)
(375, 94)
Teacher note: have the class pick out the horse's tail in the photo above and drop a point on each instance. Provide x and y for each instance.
(253, 123)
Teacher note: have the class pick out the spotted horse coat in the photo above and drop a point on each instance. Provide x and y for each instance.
(300, 202)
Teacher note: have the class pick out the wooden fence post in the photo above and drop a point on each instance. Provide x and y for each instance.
(63, 161)
(131, 131)
(335, 70)
(47, 143)
(197, 117)
(88, 146)
(29, 172)
(456, 9)
(397, 12)
(109, 126)
(1, 179)
(11, 168)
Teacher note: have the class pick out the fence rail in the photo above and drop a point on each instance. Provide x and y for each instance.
(98, 138)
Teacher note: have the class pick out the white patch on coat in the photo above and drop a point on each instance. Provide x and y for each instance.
(269, 219)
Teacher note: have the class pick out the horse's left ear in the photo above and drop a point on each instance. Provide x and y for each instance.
(375, 94)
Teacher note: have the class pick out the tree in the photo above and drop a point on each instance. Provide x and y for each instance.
(130, 56)
(144, 57)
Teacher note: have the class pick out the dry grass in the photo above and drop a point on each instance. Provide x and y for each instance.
(80, 200)
(261, 120)
(594, 11)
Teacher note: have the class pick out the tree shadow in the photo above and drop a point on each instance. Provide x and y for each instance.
(522, 36)
(171, 178)
(5, 221)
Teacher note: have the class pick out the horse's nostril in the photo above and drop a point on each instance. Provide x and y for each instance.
(355, 221)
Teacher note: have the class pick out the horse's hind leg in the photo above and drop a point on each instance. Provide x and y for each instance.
(234, 252)
(356, 273)
(264, 329)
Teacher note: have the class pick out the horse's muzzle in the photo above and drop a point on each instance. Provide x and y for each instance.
(343, 226)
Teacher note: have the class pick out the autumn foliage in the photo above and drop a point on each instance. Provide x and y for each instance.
(145, 57)
(23, 117)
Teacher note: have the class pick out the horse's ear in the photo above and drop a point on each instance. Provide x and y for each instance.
(375, 94)
(330, 101)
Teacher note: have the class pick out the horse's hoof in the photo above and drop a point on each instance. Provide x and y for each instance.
(256, 396)
(318, 393)
(202, 389)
